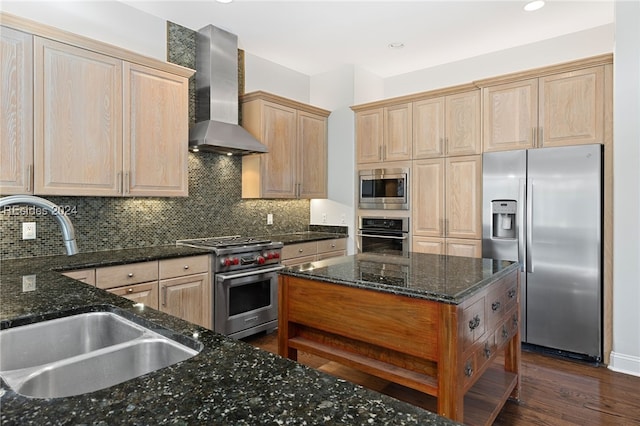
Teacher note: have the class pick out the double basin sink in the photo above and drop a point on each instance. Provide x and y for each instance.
(83, 353)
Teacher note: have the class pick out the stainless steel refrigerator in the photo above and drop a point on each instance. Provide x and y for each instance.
(543, 208)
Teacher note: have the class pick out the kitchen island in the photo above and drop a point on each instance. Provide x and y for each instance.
(228, 382)
(432, 323)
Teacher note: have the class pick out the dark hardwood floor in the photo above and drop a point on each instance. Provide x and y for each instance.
(555, 391)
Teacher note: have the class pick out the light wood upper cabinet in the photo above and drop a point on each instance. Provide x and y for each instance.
(447, 125)
(398, 133)
(16, 112)
(510, 114)
(464, 197)
(156, 117)
(428, 128)
(557, 110)
(369, 135)
(312, 162)
(384, 134)
(462, 124)
(84, 118)
(296, 136)
(78, 121)
(572, 108)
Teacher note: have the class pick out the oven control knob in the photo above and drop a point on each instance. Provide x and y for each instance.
(235, 260)
(260, 260)
(226, 262)
(276, 255)
(269, 255)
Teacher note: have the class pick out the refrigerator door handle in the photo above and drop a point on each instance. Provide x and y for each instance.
(521, 225)
(529, 221)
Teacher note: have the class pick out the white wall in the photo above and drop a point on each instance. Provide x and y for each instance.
(110, 22)
(261, 74)
(625, 356)
(334, 91)
(567, 48)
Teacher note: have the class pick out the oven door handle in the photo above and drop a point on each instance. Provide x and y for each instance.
(230, 276)
(382, 236)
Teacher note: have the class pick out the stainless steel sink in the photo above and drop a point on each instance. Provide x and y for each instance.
(83, 353)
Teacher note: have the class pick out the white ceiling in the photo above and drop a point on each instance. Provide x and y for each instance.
(318, 36)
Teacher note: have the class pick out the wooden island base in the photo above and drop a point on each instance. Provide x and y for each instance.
(448, 351)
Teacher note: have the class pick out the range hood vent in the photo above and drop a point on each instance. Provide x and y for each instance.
(216, 128)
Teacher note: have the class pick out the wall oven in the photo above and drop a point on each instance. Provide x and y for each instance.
(383, 235)
(384, 189)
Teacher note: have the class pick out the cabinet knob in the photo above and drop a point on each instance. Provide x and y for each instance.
(474, 323)
(130, 275)
(495, 306)
(186, 266)
(300, 250)
(130, 290)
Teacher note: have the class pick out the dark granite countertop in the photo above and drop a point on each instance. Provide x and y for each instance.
(448, 279)
(304, 237)
(228, 382)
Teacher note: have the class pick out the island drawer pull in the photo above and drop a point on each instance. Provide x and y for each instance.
(487, 351)
(468, 369)
(474, 323)
(495, 306)
(512, 293)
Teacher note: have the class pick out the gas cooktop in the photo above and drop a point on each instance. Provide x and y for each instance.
(223, 242)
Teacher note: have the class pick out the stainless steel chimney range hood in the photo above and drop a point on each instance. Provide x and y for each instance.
(216, 128)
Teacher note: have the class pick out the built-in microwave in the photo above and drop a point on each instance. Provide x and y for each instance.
(384, 189)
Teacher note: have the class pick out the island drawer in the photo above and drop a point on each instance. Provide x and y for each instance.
(473, 325)
(121, 275)
(181, 266)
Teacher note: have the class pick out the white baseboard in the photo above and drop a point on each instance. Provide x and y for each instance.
(626, 364)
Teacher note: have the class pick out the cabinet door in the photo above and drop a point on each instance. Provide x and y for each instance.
(510, 114)
(78, 121)
(145, 293)
(279, 167)
(464, 248)
(428, 245)
(369, 135)
(464, 197)
(428, 128)
(312, 148)
(572, 108)
(398, 133)
(428, 197)
(16, 113)
(187, 298)
(156, 132)
(462, 121)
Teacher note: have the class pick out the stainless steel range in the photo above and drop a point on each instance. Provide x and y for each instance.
(244, 283)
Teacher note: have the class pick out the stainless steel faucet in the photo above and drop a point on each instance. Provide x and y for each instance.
(68, 232)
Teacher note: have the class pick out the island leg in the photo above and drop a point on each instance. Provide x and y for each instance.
(450, 391)
(285, 331)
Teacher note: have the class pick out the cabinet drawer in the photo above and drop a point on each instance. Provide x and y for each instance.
(330, 254)
(337, 244)
(507, 329)
(146, 293)
(473, 324)
(510, 294)
(495, 306)
(298, 260)
(181, 266)
(121, 275)
(297, 250)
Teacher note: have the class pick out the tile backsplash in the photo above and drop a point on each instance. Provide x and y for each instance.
(214, 206)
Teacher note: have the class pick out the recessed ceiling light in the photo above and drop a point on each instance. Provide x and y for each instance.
(224, 1)
(534, 5)
(396, 45)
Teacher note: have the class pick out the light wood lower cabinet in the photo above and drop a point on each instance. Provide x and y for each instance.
(185, 290)
(297, 254)
(178, 286)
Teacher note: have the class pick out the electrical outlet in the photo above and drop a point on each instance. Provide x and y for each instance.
(269, 219)
(324, 218)
(28, 283)
(28, 230)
